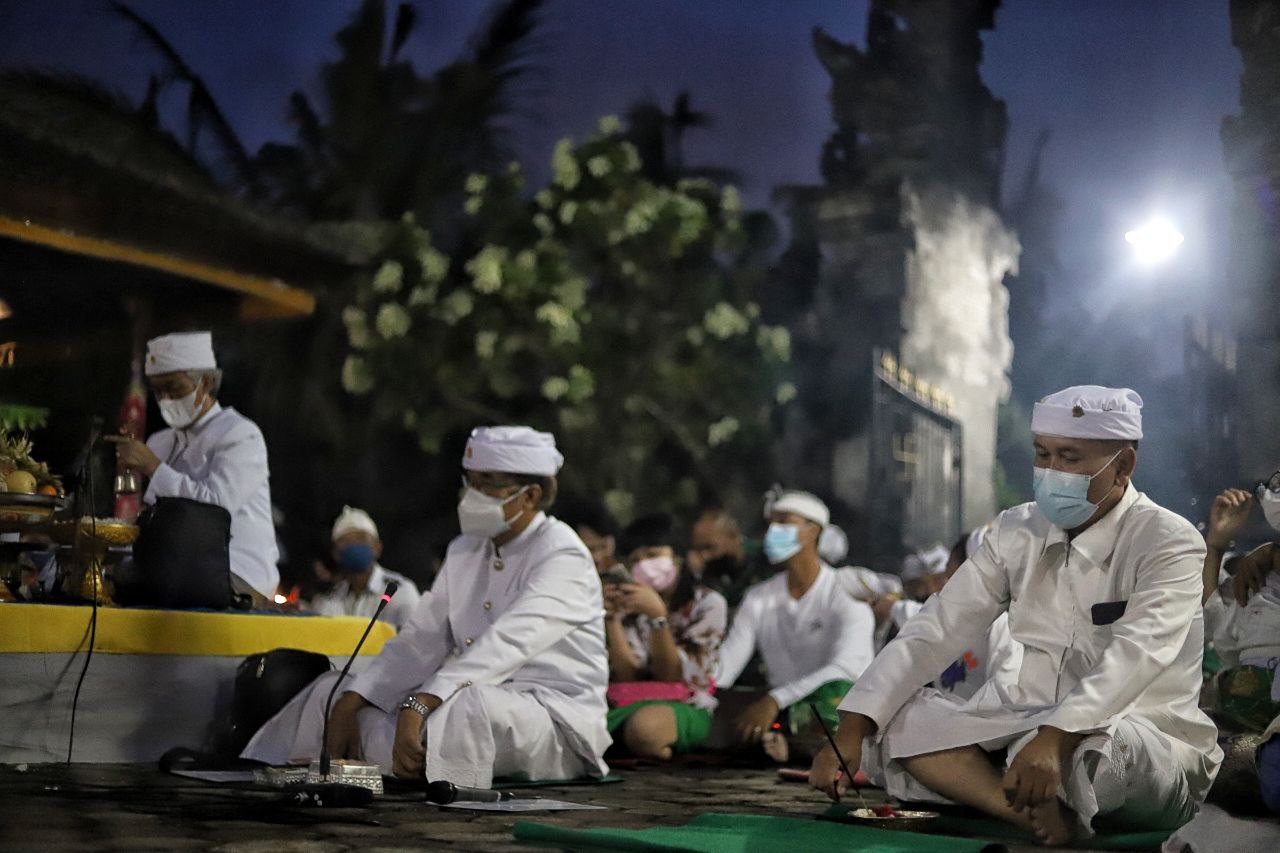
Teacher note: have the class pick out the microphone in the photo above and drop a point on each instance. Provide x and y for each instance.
(392, 586)
(443, 793)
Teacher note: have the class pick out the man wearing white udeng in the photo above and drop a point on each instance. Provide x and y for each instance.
(502, 670)
(1102, 590)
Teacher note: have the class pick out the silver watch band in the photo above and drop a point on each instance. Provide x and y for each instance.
(412, 704)
(657, 622)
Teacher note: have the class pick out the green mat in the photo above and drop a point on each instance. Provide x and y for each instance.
(553, 783)
(730, 833)
(997, 829)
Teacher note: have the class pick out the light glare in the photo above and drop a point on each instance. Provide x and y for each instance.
(1155, 241)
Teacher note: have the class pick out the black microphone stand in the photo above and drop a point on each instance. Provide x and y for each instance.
(392, 586)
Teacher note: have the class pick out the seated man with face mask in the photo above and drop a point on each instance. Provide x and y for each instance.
(502, 670)
(208, 454)
(360, 580)
(814, 638)
(1102, 588)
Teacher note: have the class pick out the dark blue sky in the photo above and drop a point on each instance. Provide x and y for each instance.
(1134, 90)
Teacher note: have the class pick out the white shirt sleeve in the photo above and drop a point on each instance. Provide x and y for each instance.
(903, 610)
(955, 619)
(738, 647)
(562, 594)
(412, 655)
(1150, 634)
(853, 653)
(237, 469)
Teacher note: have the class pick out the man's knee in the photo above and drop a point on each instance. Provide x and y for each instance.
(651, 731)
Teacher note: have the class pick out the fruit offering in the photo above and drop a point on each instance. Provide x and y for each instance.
(19, 472)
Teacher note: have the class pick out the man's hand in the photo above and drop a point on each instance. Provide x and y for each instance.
(883, 605)
(409, 752)
(344, 729)
(826, 774)
(1250, 572)
(1227, 514)
(1035, 772)
(134, 454)
(756, 719)
(642, 599)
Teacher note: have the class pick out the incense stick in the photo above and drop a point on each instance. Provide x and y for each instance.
(845, 767)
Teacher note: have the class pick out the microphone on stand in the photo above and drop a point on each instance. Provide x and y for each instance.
(392, 586)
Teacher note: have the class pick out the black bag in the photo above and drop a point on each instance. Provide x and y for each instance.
(181, 558)
(264, 684)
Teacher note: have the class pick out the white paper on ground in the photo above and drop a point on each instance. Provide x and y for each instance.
(536, 804)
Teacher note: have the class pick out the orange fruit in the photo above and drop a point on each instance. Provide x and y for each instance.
(47, 489)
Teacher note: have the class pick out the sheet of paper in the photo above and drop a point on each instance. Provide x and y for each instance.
(536, 804)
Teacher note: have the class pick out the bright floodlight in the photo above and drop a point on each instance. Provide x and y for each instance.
(1154, 241)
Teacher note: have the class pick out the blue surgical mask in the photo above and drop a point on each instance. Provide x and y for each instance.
(1063, 498)
(781, 542)
(356, 558)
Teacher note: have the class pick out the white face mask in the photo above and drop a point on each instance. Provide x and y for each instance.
(179, 413)
(482, 516)
(1270, 503)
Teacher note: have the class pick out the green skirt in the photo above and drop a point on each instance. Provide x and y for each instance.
(692, 724)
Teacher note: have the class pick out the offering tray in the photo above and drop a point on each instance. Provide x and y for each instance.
(103, 531)
(27, 509)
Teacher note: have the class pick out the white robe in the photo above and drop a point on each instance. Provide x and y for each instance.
(998, 656)
(823, 636)
(221, 459)
(512, 640)
(1126, 674)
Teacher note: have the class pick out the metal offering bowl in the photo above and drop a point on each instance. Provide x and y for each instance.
(903, 819)
(17, 506)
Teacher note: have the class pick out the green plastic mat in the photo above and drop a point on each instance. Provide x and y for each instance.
(730, 833)
(996, 829)
(553, 783)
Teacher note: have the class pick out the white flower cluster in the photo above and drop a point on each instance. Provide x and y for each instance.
(722, 431)
(357, 327)
(724, 321)
(388, 278)
(356, 377)
(486, 269)
(599, 166)
(564, 165)
(434, 263)
(564, 329)
(455, 307)
(785, 393)
(486, 344)
(555, 388)
(775, 341)
(392, 321)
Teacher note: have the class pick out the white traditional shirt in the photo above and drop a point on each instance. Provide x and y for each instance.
(698, 630)
(1110, 626)
(528, 616)
(221, 459)
(823, 636)
(998, 655)
(341, 601)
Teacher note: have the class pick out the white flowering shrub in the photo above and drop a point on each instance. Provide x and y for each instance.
(605, 307)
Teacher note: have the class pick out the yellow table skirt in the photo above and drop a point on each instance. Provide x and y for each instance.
(37, 628)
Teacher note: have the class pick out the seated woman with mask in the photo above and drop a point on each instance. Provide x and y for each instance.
(663, 630)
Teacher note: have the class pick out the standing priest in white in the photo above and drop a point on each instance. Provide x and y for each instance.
(1102, 589)
(502, 671)
(208, 454)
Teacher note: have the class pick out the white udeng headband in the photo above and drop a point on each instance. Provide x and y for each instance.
(1090, 411)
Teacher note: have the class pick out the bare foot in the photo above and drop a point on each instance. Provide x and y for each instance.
(1053, 823)
(775, 746)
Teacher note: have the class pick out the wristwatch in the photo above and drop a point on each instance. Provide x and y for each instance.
(412, 704)
(657, 622)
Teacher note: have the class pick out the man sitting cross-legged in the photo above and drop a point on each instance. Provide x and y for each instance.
(1102, 588)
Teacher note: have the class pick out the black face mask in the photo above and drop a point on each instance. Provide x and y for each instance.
(721, 566)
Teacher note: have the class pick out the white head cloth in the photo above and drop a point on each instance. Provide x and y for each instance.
(924, 563)
(353, 520)
(1090, 411)
(180, 351)
(833, 544)
(803, 504)
(512, 450)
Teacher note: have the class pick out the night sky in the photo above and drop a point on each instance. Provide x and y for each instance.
(1134, 90)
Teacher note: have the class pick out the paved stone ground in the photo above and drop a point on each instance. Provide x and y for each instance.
(138, 808)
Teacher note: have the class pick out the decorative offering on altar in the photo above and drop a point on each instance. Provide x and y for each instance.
(106, 531)
(28, 492)
(280, 777)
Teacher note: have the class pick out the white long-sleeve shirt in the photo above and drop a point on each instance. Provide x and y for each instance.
(825, 635)
(221, 459)
(1109, 622)
(527, 616)
(341, 601)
